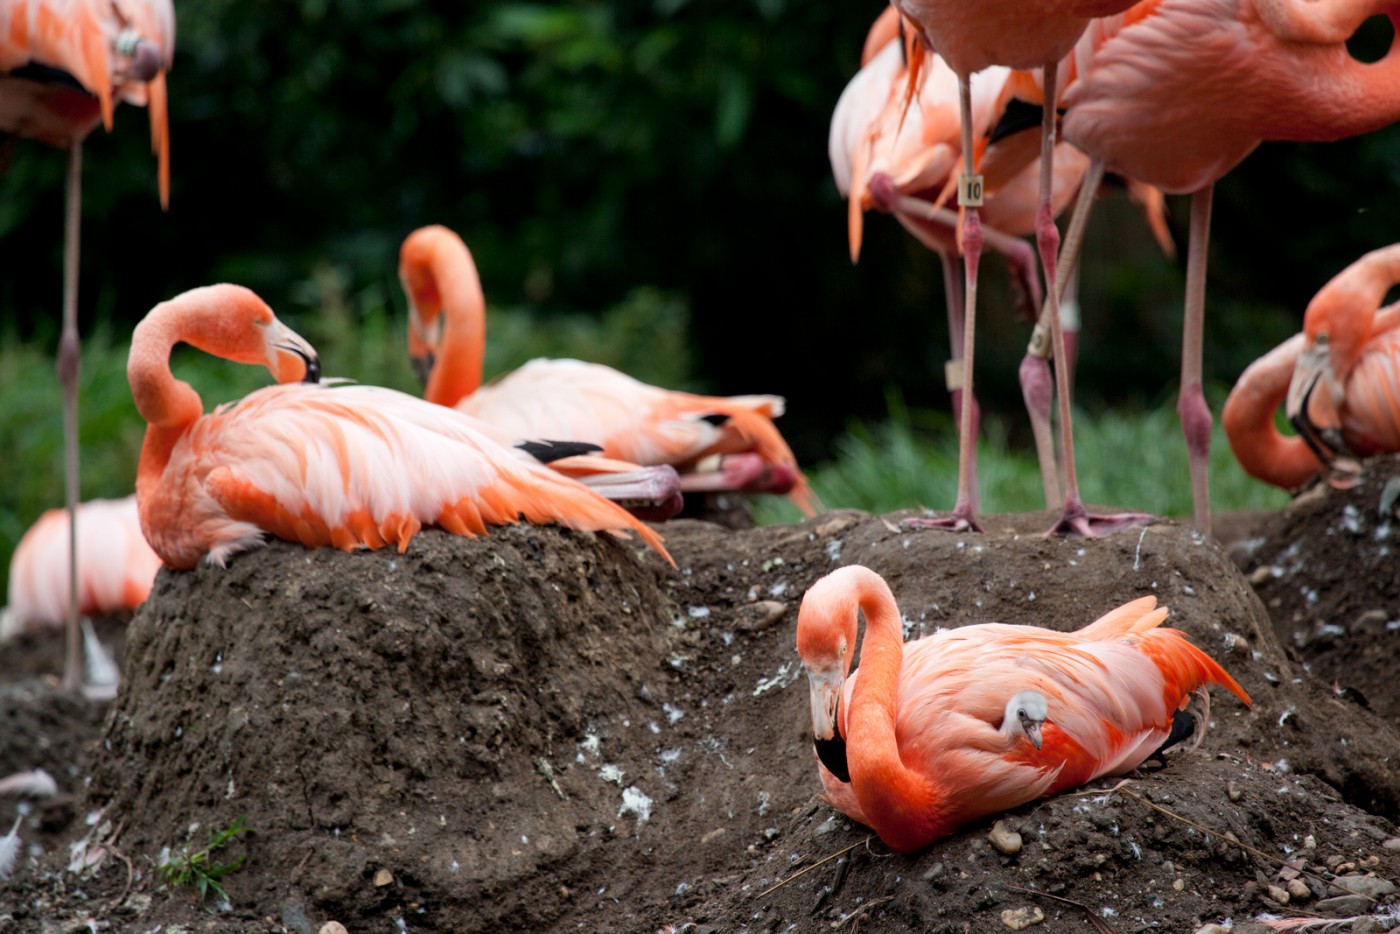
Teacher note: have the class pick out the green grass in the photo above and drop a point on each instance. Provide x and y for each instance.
(1129, 459)
(199, 869)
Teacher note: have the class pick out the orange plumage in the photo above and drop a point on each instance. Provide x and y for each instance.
(946, 729)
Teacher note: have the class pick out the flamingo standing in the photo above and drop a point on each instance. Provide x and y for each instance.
(349, 466)
(118, 566)
(1342, 395)
(588, 402)
(946, 729)
(972, 35)
(64, 65)
(1176, 93)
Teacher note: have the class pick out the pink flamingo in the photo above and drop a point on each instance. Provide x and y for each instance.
(1151, 99)
(972, 35)
(952, 727)
(346, 466)
(64, 65)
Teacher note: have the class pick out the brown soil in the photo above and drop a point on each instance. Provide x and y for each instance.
(548, 731)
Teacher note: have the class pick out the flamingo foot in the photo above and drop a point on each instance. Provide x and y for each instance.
(961, 519)
(1078, 522)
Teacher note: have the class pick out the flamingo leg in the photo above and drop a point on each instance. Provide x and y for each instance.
(69, 360)
(1191, 401)
(953, 371)
(1074, 519)
(964, 515)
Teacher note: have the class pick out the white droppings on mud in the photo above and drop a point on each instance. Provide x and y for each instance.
(778, 589)
(635, 801)
(611, 773)
(1351, 519)
(673, 714)
(1137, 555)
(697, 612)
(231, 789)
(1188, 590)
(764, 803)
(1392, 625)
(786, 675)
(1283, 717)
(218, 665)
(669, 756)
(772, 563)
(908, 625)
(833, 549)
(1030, 597)
(591, 744)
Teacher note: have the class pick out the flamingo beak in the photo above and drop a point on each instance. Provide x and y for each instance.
(423, 338)
(292, 359)
(1032, 728)
(825, 687)
(1314, 415)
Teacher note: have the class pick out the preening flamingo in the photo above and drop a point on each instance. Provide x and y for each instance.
(972, 35)
(1152, 99)
(628, 419)
(117, 565)
(1344, 394)
(349, 466)
(943, 730)
(64, 65)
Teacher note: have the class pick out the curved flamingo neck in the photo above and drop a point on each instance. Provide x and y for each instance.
(1262, 450)
(163, 400)
(903, 806)
(1346, 308)
(456, 287)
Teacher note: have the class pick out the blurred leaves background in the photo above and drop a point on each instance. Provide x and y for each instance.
(645, 182)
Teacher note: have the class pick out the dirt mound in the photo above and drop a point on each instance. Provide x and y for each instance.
(1325, 570)
(550, 731)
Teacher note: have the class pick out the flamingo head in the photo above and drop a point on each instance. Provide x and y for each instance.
(232, 322)
(1025, 713)
(1315, 414)
(825, 646)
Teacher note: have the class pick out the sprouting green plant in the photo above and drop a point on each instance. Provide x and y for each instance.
(199, 869)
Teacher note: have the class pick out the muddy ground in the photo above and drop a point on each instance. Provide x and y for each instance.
(550, 731)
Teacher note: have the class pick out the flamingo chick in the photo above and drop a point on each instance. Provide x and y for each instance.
(117, 566)
(587, 402)
(349, 466)
(955, 726)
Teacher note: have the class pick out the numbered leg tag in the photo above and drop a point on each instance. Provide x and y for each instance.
(1040, 345)
(953, 374)
(970, 191)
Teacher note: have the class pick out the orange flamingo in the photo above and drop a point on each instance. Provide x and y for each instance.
(946, 729)
(118, 566)
(972, 35)
(64, 65)
(348, 466)
(1148, 99)
(588, 402)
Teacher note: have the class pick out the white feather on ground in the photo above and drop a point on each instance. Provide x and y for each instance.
(32, 784)
(102, 675)
(9, 850)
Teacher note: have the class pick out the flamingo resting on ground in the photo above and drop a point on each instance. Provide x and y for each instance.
(972, 35)
(1149, 98)
(118, 566)
(349, 466)
(952, 727)
(1344, 390)
(587, 402)
(64, 65)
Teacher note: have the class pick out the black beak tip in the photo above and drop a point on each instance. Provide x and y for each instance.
(423, 367)
(832, 753)
(313, 369)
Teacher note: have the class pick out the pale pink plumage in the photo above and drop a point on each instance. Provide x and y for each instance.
(348, 466)
(117, 566)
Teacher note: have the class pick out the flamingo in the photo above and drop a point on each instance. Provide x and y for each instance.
(64, 65)
(901, 159)
(1342, 395)
(972, 35)
(348, 466)
(955, 726)
(118, 566)
(587, 402)
(1151, 99)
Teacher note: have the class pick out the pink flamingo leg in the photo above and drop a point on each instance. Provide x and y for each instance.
(69, 361)
(1191, 401)
(964, 515)
(953, 374)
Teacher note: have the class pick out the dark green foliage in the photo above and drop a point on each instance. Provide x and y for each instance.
(200, 868)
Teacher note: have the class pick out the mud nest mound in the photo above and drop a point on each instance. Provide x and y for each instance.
(544, 730)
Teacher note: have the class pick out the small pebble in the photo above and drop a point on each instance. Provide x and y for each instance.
(1210, 929)
(1368, 862)
(1343, 906)
(383, 877)
(1006, 840)
(333, 927)
(1233, 791)
(1310, 842)
(1298, 890)
(1392, 844)
(1018, 919)
(1178, 885)
(1277, 894)
(1368, 886)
